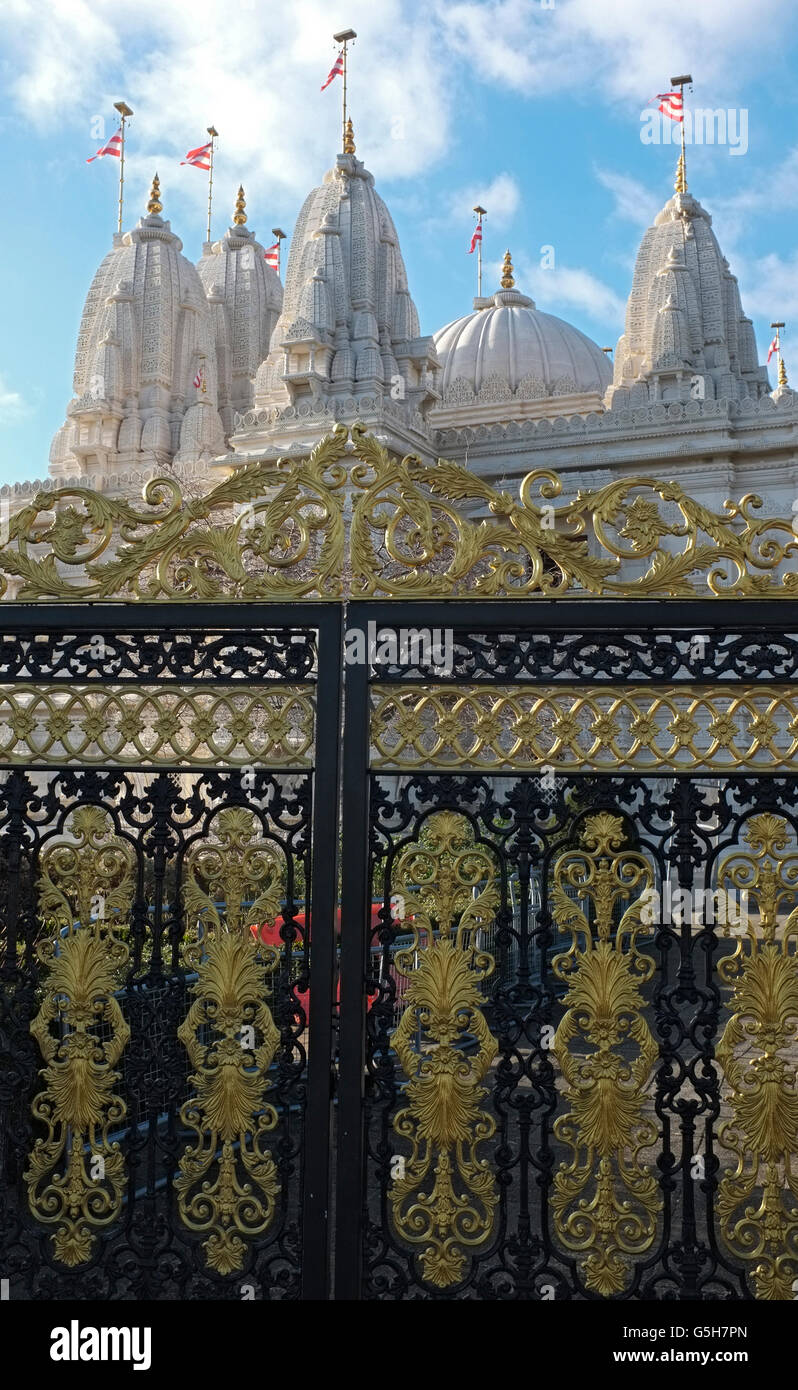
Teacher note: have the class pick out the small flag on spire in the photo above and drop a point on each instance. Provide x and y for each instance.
(272, 256)
(671, 104)
(336, 70)
(198, 378)
(114, 147)
(477, 237)
(200, 157)
(774, 347)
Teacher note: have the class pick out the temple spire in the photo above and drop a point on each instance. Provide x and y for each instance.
(508, 279)
(344, 38)
(680, 185)
(155, 206)
(240, 216)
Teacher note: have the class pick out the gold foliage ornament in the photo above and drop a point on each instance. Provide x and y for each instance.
(758, 1199)
(276, 530)
(605, 1200)
(228, 1181)
(446, 1198)
(268, 531)
(75, 1176)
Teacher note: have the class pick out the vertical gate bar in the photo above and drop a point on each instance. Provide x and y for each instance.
(323, 897)
(355, 918)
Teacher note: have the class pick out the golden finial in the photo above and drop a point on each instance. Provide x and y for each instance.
(507, 272)
(782, 372)
(240, 216)
(349, 138)
(155, 205)
(680, 185)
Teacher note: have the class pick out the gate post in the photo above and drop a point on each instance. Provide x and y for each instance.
(323, 897)
(354, 933)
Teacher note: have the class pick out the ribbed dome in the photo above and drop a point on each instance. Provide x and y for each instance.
(144, 337)
(508, 351)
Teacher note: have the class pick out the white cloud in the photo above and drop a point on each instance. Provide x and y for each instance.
(12, 406)
(633, 202)
(186, 63)
(501, 196)
(565, 288)
(621, 48)
(574, 288)
(769, 286)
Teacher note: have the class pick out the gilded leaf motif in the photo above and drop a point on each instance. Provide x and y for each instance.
(605, 1200)
(758, 1198)
(445, 1201)
(229, 1181)
(85, 895)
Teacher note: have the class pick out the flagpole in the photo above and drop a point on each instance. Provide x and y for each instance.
(124, 111)
(480, 214)
(344, 37)
(280, 235)
(214, 134)
(681, 168)
(780, 360)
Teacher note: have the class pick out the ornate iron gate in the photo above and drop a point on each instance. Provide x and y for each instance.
(579, 1056)
(555, 1034)
(168, 841)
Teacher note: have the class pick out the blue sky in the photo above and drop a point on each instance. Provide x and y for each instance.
(531, 107)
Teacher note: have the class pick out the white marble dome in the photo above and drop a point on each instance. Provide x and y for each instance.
(510, 355)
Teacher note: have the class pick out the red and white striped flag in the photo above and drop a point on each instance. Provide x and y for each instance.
(475, 238)
(200, 157)
(774, 347)
(114, 146)
(198, 378)
(336, 69)
(670, 104)
(272, 256)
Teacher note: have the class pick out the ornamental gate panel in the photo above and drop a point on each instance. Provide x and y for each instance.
(168, 838)
(576, 1078)
(335, 966)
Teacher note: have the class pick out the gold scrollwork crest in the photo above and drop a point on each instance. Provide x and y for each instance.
(445, 1199)
(277, 530)
(228, 1181)
(271, 530)
(75, 1176)
(605, 1200)
(758, 1199)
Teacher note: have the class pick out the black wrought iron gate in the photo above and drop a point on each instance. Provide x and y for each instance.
(572, 890)
(551, 1031)
(170, 784)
